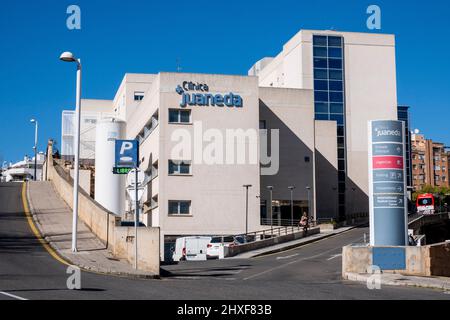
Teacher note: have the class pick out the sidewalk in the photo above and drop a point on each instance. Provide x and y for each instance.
(53, 218)
(390, 279)
(290, 245)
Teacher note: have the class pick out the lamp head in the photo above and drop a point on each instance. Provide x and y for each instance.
(33, 120)
(67, 57)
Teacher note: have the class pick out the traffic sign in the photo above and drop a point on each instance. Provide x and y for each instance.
(127, 153)
(132, 193)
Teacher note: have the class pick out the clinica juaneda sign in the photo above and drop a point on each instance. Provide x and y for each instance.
(197, 94)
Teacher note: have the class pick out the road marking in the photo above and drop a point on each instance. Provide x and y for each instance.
(34, 229)
(334, 256)
(12, 296)
(308, 244)
(287, 257)
(292, 262)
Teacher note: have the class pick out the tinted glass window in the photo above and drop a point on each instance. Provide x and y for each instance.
(172, 167)
(173, 207)
(184, 207)
(320, 40)
(173, 115)
(335, 41)
(185, 168)
(321, 96)
(336, 74)
(341, 142)
(341, 153)
(320, 74)
(320, 52)
(321, 107)
(335, 63)
(185, 116)
(320, 63)
(338, 118)
(336, 86)
(341, 165)
(216, 240)
(336, 97)
(335, 52)
(336, 108)
(321, 85)
(320, 116)
(340, 131)
(425, 202)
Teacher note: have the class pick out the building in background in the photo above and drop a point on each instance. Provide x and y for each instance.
(23, 170)
(336, 67)
(316, 94)
(403, 115)
(91, 112)
(430, 162)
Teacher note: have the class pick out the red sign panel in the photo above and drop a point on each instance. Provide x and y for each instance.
(388, 162)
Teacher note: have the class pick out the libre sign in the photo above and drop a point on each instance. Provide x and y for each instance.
(387, 184)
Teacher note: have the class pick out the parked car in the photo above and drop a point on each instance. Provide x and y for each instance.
(191, 248)
(217, 244)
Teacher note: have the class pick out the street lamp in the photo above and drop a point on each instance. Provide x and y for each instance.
(292, 204)
(270, 188)
(69, 57)
(308, 189)
(246, 186)
(35, 145)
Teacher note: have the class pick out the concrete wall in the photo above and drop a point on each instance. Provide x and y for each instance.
(432, 260)
(290, 111)
(105, 225)
(232, 251)
(85, 180)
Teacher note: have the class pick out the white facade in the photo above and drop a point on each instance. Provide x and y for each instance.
(91, 112)
(370, 93)
(24, 170)
(188, 193)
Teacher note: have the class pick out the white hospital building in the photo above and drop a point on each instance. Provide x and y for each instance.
(319, 92)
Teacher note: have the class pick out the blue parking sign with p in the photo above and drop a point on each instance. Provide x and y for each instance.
(127, 153)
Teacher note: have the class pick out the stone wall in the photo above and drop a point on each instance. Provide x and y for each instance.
(432, 260)
(104, 224)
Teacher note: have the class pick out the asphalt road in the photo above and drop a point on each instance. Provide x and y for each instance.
(27, 271)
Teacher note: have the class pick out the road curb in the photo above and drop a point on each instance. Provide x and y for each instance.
(404, 282)
(64, 259)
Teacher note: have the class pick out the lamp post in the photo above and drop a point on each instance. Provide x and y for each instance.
(270, 188)
(35, 145)
(292, 204)
(246, 186)
(69, 57)
(308, 189)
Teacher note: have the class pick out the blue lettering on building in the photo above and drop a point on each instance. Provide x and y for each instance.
(205, 98)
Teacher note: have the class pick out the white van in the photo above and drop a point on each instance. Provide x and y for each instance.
(191, 248)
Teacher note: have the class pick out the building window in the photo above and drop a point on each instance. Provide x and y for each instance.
(179, 116)
(177, 207)
(179, 167)
(262, 124)
(138, 96)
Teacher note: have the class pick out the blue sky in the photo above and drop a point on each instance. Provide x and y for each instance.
(207, 36)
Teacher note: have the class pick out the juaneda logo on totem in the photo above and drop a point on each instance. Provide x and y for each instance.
(203, 98)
